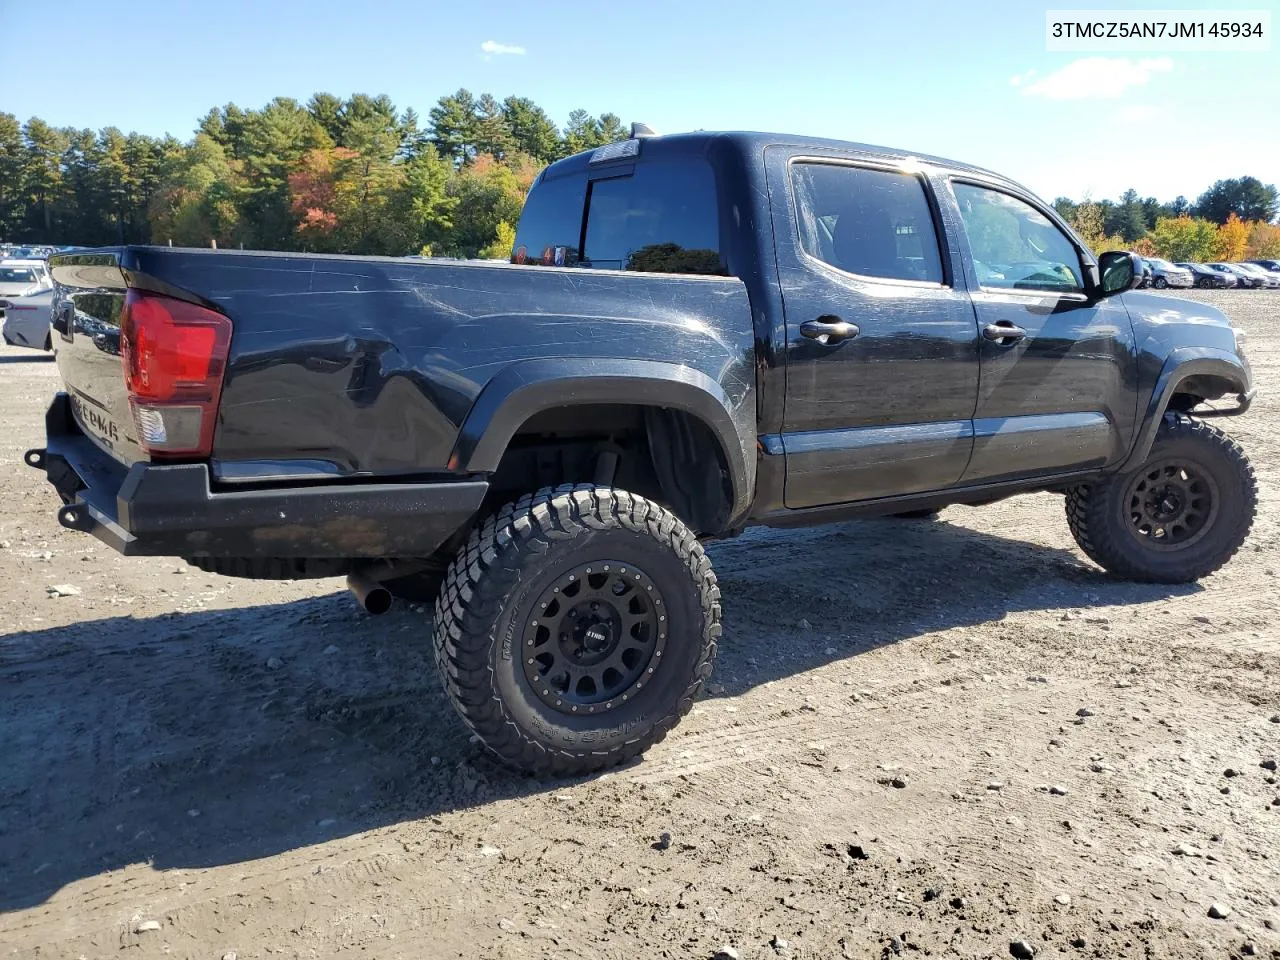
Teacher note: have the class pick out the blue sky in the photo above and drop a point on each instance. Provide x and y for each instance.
(972, 81)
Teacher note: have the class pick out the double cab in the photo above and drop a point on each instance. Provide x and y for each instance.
(695, 334)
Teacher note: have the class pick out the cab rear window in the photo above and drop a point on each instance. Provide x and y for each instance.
(551, 224)
(656, 217)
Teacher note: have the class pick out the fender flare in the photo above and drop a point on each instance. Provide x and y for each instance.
(1182, 364)
(532, 386)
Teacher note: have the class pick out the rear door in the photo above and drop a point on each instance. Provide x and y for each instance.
(881, 347)
(1056, 391)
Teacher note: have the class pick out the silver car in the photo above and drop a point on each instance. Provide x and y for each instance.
(1269, 280)
(1244, 278)
(1166, 274)
(26, 320)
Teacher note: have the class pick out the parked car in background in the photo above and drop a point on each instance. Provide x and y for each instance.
(26, 320)
(1204, 276)
(1271, 266)
(1231, 279)
(1243, 277)
(1166, 274)
(1147, 272)
(18, 278)
(1269, 280)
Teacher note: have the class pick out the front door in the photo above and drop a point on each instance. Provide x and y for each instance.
(1056, 361)
(881, 351)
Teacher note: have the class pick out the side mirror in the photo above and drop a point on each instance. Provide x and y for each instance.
(1120, 271)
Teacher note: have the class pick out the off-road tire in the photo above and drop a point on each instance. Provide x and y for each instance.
(924, 513)
(491, 591)
(1098, 515)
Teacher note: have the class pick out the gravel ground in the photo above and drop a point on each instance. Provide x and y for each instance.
(952, 738)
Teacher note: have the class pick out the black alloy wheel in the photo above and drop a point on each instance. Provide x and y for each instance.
(597, 633)
(1170, 505)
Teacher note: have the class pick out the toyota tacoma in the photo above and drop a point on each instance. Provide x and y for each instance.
(695, 334)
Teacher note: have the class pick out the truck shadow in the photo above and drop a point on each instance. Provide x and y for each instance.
(24, 358)
(218, 737)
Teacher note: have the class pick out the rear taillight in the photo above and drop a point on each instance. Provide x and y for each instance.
(174, 355)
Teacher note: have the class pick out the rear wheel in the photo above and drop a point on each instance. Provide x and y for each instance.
(1178, 517)
(576, 628)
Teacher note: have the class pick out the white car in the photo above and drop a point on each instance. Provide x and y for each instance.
(26, 320)
(18, 278)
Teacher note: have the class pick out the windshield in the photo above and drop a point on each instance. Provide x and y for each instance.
(17, 275)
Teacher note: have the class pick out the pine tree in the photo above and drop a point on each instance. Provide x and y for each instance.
(453, 122)
(531, 129)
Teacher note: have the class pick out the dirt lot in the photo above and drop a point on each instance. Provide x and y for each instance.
(198, 767)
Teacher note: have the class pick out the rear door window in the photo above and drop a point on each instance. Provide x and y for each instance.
(874, 223)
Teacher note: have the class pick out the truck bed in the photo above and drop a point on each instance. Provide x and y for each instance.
(344, 367)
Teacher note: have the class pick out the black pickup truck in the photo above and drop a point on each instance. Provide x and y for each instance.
(696, 333)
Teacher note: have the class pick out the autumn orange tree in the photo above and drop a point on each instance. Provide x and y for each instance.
(1233, 238)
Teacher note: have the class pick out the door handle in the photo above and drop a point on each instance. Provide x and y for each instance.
(828, 330)
(1004, 333)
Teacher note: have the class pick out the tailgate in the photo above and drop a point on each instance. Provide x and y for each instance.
(88, 300)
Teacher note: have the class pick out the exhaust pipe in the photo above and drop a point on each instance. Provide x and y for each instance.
(373, 596)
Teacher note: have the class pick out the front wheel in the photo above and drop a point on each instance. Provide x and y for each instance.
(576, 628)
(1178, 517)
(1159, 283)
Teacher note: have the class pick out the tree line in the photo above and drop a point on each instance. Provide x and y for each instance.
(1232, 220)
(331, 175)
(361, 176)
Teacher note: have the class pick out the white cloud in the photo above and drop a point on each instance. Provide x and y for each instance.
(1021, 78)
(495, 49)
(1097, 78)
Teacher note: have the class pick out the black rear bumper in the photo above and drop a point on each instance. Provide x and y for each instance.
(154, 509)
